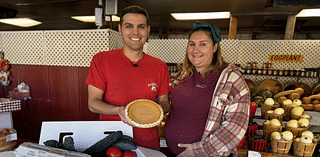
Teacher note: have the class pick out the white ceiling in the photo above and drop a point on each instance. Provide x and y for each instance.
(254, 15)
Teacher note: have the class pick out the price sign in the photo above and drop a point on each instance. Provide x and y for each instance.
(253, 154)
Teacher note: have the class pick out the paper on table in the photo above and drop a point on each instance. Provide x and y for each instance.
(254, 154)
(151, 153)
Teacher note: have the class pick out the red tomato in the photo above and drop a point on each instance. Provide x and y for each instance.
(113, 152)
(129, 154)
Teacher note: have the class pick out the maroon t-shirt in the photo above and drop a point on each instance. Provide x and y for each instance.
(190, 104)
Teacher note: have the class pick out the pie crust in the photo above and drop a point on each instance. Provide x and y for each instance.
(144, 113)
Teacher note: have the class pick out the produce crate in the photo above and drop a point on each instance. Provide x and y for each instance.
(265, 108)
(7, 145)
(280, 146)
(257, 145)
(297, 132)
(270, 116)
(268, 130)
(252, 130)
(302, 149)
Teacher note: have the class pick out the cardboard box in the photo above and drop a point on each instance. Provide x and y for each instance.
(32, 149)
(87, 133)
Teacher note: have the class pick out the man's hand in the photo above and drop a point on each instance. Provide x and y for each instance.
(121, 113)
(187, 152)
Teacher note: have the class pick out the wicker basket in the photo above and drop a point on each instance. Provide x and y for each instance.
(295, 116)
(297, 132)
(7, 146)
(302, 149)
(280, 146)
(287, 111)
(270, 116)
(268, 130)
(265, 108)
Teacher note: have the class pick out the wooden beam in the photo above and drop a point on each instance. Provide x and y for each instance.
(291, 22)
(233, 27)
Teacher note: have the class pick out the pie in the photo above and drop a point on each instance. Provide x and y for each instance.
(144, 113)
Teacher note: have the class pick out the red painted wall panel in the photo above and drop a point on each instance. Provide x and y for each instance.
(83, 100)
(58, 93)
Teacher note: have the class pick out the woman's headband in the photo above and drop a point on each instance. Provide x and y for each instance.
(215, 31)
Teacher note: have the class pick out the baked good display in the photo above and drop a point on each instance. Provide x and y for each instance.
(144, 113)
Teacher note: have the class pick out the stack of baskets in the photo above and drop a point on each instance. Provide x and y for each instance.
(4, 145)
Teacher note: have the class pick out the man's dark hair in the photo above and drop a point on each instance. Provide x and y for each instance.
(134, 9)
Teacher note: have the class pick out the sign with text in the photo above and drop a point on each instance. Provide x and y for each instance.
(285, 58)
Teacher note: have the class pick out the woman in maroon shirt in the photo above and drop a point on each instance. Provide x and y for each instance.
(191, 99)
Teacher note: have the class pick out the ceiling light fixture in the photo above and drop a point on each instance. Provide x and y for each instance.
(309, 13)
(21, 22)
(201, 16)
(92, 19)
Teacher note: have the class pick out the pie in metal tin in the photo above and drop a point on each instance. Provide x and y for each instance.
(144, 113)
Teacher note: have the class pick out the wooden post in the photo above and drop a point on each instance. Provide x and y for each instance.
(291, 22)
(233, 27)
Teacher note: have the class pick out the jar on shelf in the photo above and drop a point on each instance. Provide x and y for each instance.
(270, 71)
(275, 71)
(303, 73)
(269, 65)
(286, 72)
(297, 71)
(264, 71)
(308, 73)
(248, 71)
(292, 72)
(254, 70)
(260, 71)
(280, 72)
(264, 65)
(254, 64)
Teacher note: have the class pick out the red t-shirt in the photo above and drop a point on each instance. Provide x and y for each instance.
(112, 72)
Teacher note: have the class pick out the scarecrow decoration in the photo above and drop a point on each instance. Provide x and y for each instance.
(4, 70)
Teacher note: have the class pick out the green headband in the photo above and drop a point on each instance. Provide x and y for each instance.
(215, 31)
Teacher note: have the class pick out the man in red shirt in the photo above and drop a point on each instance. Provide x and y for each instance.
(118, 77)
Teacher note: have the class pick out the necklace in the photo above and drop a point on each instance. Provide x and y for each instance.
(201, 85)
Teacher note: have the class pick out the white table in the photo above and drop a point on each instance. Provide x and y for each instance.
(7, 106)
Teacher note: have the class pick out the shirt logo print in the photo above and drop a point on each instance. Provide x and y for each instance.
(153, 86)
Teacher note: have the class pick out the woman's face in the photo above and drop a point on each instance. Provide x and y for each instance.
(200, 50)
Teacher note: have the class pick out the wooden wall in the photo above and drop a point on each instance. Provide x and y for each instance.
(59, 93)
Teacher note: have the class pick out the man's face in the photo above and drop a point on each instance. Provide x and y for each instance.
(134, 31)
